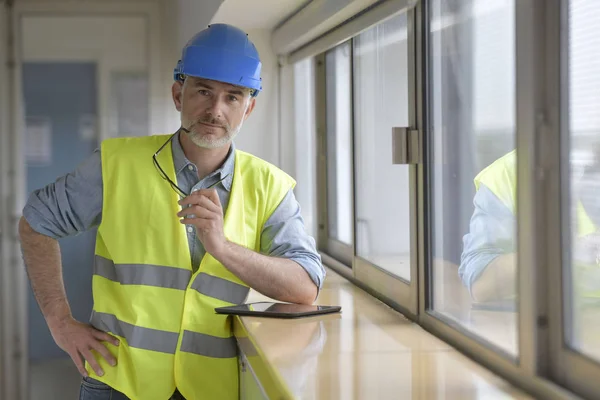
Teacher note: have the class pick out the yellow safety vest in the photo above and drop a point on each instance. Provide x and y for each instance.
(144, 288)
(501, 178)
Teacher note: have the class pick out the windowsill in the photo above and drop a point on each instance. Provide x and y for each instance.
(367, 351)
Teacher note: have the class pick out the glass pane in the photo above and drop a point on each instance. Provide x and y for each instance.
(583, 270)
(473, 159)
(305, 142)
(339, 143)
(382, 188)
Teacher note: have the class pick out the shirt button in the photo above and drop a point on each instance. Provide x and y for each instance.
(191, 167)
(190, 229)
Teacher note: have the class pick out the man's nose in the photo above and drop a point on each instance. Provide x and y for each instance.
(215, 108)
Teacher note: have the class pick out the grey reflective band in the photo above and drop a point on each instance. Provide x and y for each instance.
(209, 346)
(138, 337)
(220, 288)
(142, 274)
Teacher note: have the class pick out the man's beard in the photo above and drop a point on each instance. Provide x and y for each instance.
(204, 140)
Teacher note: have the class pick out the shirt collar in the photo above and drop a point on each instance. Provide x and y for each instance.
(181, 162)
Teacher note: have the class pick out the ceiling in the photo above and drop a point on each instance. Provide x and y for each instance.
(256, 14)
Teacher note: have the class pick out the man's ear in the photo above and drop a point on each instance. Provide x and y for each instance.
(251, 104)
(177, 92)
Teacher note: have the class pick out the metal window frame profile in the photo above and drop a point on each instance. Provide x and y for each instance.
(569, 367)
(380, 283)
(339, 250)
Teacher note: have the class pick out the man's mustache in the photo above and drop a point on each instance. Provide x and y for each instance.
(212, 121)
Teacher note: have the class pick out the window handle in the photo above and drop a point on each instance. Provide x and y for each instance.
(406, 146)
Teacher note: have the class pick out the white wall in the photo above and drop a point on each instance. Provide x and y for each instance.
(192, 17)
(99, 39)
(260, 135)
(118, 41)
(170, 52)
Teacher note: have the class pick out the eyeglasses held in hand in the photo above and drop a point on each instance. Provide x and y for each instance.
(174, 186)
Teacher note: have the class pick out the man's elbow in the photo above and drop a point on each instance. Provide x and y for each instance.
(308, 295)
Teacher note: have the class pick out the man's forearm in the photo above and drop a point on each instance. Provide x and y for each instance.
(277, 278)
(43, 262)
(498, 280)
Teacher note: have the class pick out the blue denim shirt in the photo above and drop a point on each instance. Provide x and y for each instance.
(492, 232)
(73, 204)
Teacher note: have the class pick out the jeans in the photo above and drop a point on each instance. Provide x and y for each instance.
(92, 389)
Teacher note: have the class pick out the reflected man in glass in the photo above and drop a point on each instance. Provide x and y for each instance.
(488, 261)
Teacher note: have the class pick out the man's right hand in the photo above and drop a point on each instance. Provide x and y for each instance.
(79, 339)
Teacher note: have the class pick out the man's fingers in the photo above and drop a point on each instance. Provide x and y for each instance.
(87, 354)
(197, 212)
(210, 204)
(103, 351)
(201, 224)
(105, 337)
(195, 197)
(77, 360)
(213, 196)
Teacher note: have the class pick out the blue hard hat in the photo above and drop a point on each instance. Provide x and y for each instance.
(222, 53)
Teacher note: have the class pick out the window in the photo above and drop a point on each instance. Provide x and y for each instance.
(383, 221)
(472, 166)
(339, 144)
(371, 219)
(582, 268)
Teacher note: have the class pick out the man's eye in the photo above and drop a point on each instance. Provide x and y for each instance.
(203, 92)
(233, 98)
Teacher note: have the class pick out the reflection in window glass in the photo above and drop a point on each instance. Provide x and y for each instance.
(339, 143)
(382, 188)
(583, 322)
(473, 176)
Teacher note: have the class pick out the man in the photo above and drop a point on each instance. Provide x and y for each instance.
(488, 262)
(183, 220)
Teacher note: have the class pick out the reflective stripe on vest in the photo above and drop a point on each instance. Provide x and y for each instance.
(169, 277)
(219, 288)
(141, 274)
(163, 341)
(137, 336)
(209, 346)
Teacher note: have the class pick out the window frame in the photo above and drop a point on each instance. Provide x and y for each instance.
(381, 283)
(570, 368)
(331, 246)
